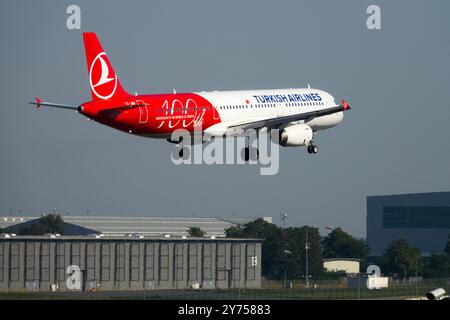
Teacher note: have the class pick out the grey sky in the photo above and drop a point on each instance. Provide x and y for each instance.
(394, 140)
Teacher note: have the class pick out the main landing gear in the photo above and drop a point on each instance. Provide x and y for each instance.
(180, 152)
(250, 153)
(312, 149)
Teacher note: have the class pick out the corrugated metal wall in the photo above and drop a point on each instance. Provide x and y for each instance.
(116, 264)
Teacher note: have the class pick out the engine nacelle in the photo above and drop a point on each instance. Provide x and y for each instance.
(296, 135)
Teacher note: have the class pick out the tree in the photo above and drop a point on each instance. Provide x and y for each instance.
(437, 266)
(52, 223)
(447, 247)
(283, 250)
(295, 239)
(401, 258)
(273, 259)
(196, 232)
(234, 232)
(340, 244)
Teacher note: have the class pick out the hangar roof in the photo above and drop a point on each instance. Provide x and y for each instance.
(116, 238)
(124, 226)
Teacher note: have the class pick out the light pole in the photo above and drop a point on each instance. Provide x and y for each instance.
(404, 274)
(283, 220)
(287, 252)
(415, 281)
(307, 247)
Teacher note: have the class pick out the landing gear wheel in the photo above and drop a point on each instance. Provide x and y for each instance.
(184, 153)
(245, 154)
(180, 153)
(313, 149)
(254, 154)
(250, 154)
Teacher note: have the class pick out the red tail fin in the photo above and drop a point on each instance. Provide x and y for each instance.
(103, 81)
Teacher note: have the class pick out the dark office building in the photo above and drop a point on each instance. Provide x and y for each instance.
(423, 219)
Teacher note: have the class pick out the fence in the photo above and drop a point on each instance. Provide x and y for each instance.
(321, 292)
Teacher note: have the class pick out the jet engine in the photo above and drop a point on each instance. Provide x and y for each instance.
(296, 135)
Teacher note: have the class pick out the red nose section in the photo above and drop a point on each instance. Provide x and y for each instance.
(345, 105)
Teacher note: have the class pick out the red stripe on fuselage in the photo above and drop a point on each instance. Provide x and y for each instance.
(163, 113)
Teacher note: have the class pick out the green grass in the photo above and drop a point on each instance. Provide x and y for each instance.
(398, 290)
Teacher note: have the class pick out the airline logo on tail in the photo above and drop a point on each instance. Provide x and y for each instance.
(102, 77)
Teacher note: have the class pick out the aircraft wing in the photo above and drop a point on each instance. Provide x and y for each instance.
(281, 122)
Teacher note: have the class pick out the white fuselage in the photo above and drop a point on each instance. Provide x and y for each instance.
(236, 107)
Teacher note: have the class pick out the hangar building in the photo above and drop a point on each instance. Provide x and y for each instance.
(40, 263)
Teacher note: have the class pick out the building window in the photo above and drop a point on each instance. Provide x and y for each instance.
(236, 266)
(192, 264)
(105, 262)
(207, 261)
(179, 261)
(429, 217)
(149, 261)
(90, 261)
(120, 261)
(14, 262)
(76, 253)
(395, 217)
(60, 261)
(221, 261)
(45, 262)
(416, 217)
(134, 262)
(164, 262)
(29, 261)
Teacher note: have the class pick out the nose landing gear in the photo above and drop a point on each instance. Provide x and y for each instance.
(180, 152)
(312, 149)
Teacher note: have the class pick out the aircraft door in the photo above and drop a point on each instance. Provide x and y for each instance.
(280, 109)
(216, 113)
(143, 112)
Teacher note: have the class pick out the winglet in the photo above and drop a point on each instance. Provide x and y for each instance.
(38, 104)
(345, 105)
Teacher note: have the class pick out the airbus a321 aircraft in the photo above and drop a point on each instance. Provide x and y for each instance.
(297, 113)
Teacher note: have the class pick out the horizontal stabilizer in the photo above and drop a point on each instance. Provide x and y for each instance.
(40, 103)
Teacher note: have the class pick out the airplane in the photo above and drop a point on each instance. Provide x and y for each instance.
(297, 114)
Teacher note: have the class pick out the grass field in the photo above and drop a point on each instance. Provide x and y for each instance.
(322, 293)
